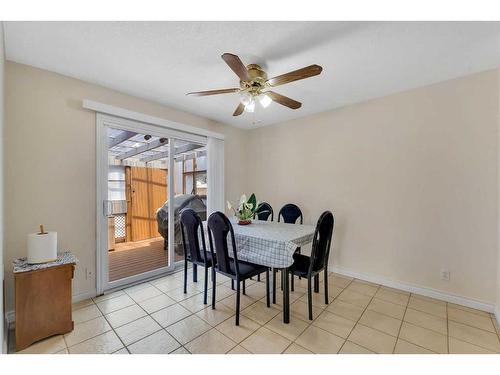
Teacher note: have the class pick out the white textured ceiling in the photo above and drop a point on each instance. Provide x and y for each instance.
(162, 61)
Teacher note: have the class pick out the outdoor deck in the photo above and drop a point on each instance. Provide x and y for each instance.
(132, 258)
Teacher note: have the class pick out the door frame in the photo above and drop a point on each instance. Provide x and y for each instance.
(104, 121)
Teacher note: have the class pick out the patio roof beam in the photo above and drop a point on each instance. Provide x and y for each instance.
(197, 154)
(139, 150)
(121, 138)
(163, 155)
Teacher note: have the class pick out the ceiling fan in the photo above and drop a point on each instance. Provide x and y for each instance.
(254, 85)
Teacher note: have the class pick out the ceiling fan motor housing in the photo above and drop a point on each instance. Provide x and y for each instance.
(256, 79)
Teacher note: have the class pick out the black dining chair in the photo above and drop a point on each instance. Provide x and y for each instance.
(264, 210)
(192, 231)
(309, 267)
(290, 213)
(219, 228)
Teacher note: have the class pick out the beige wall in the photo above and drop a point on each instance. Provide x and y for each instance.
(50, 161)
(411, 179)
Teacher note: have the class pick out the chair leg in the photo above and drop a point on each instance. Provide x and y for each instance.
(244, 289)
(292, 284)
(267, 289)
(325, 280)
(298, 251)
(274, 286)
(195, 273)
(316, 283)
(258, 277)
(309, 298)
(205, 289)
(237, 302)
(232, 284)
(185, 275)
(281, 286)
(213, 288)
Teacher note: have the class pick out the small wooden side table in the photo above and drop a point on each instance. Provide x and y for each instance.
(43, 299)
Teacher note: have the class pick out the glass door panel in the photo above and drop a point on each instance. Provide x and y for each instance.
(137, 191)
(142, 172)
(190, 189)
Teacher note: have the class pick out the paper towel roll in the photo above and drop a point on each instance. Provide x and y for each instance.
(42, 248)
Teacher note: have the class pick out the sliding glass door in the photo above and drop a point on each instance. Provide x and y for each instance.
(146, 176)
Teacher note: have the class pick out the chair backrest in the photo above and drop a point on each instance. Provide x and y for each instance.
(322, 241)
(219, 227)
(264, 210)
(290, 214)
(190, 226)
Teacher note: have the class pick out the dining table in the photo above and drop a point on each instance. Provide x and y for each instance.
(271, 244)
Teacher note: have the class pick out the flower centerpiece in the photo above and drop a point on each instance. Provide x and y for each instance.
(246, 209)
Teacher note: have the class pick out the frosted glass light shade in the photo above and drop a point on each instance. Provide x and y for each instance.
(250, 107)
(245, 98)
(264, 100)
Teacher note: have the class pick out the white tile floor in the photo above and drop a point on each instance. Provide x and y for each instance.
(157, 317)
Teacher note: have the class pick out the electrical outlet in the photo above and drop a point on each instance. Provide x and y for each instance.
(445, 274)
(88, 274)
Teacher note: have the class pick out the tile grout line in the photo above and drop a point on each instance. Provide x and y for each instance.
(357, 321)
(401, 325)
(165, 328)
(468, 342)
(232, 316)
(90, 338)
(214, 327)
(311, 323)
(112, 328)
(495, 327)
(147, 314)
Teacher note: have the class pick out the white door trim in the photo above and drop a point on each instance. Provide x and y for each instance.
(147, 119)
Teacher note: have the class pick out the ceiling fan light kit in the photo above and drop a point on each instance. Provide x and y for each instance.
(264, 100)
(255, 86)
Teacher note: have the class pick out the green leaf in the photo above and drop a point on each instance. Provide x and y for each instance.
(253, 201)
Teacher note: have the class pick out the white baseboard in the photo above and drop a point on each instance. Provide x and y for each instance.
(428, 292)
(83, 296)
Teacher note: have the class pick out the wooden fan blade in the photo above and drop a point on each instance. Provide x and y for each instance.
(284, 100)
(236, 65)
(308, 71)
(213, 92)
(239, 110)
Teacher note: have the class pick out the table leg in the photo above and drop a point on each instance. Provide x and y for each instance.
(273, 285)
(286, 295)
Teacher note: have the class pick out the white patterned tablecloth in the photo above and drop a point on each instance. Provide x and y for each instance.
(268, 243)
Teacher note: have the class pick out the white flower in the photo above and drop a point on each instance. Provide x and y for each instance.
(243, 199)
